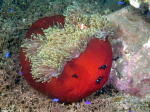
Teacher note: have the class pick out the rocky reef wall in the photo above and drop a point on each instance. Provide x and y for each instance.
(131, 46)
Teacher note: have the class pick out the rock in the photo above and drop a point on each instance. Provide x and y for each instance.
(140, 4)
(131, 47)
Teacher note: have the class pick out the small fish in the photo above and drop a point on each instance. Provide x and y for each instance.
(20, 73)
(87, 102)
(99, 80)
(82, 26)
(148, 13)
(55, 100)
(7, 55)
(10, 10)
(121, 3)
(103, 67)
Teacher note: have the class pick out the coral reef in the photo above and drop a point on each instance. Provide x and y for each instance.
(131, 71)
(16, 95)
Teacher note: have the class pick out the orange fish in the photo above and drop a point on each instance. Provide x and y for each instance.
(81, 76)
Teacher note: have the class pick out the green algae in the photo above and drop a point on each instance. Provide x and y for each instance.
(1, 43)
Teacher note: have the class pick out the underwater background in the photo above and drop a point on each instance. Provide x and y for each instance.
(16, 16)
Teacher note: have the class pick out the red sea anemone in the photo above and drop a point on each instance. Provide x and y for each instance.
(80, 76)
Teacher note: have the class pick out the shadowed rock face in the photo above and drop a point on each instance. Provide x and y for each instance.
(131, 48)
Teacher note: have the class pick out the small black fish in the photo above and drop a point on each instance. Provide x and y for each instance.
(103, 67)
(75, 75)
(99, 79)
